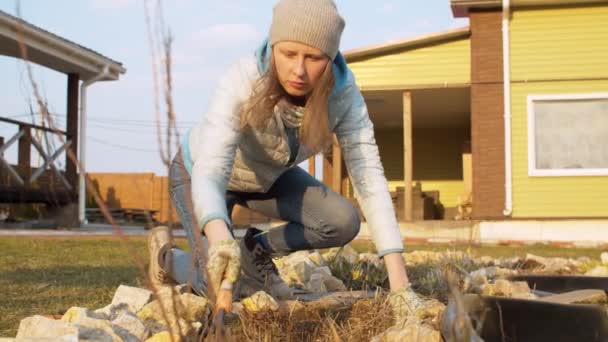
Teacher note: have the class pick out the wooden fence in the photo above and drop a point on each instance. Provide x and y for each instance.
(150, 192)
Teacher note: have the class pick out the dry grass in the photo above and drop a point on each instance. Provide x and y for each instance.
(429, 278)
(360, 322)
(360, 276)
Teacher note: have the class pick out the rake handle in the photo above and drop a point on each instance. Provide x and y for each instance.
(223, 304)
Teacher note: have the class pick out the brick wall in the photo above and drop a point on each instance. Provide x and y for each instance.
(487, 133)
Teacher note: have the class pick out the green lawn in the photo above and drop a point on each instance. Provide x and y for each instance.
(50, 275)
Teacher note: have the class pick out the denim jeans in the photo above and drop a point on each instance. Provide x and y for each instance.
(316, 217)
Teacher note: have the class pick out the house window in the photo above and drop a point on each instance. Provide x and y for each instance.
(568, 135)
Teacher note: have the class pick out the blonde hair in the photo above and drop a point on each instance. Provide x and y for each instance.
(259, 108)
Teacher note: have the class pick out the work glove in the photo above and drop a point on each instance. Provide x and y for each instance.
(406, 304)
(224, 264)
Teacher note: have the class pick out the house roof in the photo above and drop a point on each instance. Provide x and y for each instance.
(380, 49)
(53, 51)
(460, 8)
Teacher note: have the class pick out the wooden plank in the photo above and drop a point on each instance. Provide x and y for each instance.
(42, 128)
(407, 156)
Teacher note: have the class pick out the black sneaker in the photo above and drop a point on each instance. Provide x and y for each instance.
(258, 270)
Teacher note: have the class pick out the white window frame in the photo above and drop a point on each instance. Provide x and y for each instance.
(532, 170)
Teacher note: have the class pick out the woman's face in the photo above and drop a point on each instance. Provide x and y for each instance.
(299, 66)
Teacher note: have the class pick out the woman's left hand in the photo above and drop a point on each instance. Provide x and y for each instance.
(404, 302)
(408, 304)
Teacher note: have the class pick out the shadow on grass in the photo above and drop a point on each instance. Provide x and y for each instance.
(73, 276)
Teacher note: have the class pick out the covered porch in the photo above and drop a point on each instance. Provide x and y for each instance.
(418, 96)
(48, 183)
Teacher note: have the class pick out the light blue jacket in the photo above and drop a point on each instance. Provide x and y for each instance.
(220, 157)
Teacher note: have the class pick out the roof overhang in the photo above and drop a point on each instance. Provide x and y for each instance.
(461, 8)
(429, 39)
(47, 49)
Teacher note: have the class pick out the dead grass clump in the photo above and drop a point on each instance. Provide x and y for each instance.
(359, 322)
(368, 318)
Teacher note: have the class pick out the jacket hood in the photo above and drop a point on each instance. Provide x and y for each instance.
(338, 67)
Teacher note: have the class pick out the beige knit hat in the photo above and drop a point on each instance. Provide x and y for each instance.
(312, 22)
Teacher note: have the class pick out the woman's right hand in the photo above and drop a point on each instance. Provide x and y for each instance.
(223, 264)
(224, 256)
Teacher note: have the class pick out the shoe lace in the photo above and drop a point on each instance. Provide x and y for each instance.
(161, 275)
(263, 261)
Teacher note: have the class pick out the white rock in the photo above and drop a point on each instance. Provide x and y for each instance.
(510, 263)
(134, 297)
(491, 272)
(130, 328)
(40, 328)
(333, 284)
(196, 308)
(75, 319)
(301, 272)
(169, 290)
(347, 253)
(584, 259)
(598, 271)
(323, 269)
(237, 308)
(96, 330)
(505, 288)
(604, 258)
(160, 330)
(259, 302)
(322, 281)
(421, 257)
(316, 284)
(295, 258)
(317, 259)
(91, 328)
(350, 254)
(111, 311)
(371, 258)
(412, 331)
(175, 311)
(487, 260)
(549, 265)
(299, 255)
(76, 313)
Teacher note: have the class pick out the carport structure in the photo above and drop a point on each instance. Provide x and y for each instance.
(21, 183)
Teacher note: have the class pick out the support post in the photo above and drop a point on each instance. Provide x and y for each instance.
(328, 172)
(337, 166)
(408, 213)
(2, 180)
(312, 166)
(72, 130)
(25, 153)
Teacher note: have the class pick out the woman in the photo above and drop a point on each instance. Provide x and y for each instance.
(273, 110)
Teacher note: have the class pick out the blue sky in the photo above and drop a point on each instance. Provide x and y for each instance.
(208, 36)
